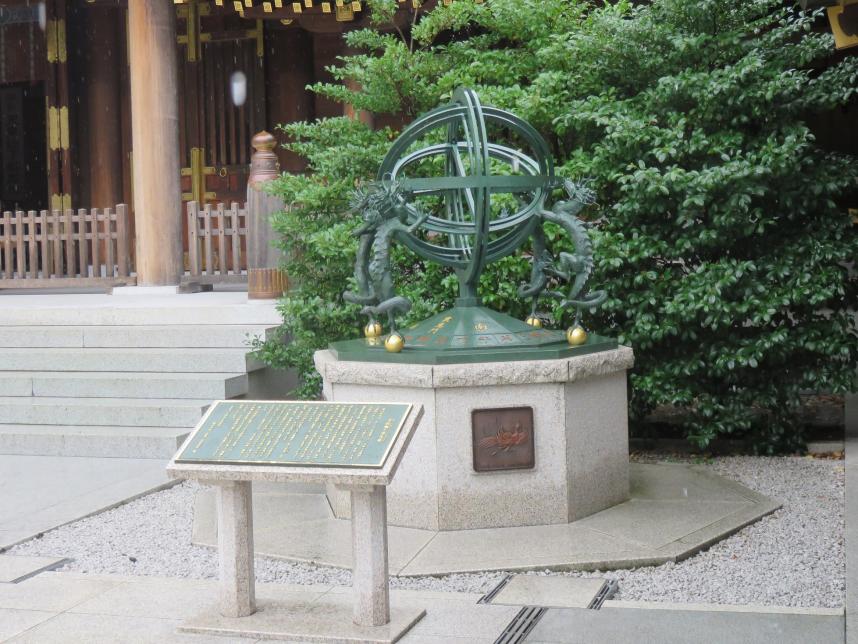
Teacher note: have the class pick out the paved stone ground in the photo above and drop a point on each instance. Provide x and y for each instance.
(71, 608)
(794, 557)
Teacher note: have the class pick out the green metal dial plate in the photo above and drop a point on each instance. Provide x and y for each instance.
(470, 334)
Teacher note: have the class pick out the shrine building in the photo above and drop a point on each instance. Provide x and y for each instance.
(149, 103)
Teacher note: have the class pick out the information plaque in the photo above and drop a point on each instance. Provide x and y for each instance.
(331, 434)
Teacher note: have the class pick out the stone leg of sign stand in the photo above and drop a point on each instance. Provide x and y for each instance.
(369, 552)
(370, 619)
(235, 549)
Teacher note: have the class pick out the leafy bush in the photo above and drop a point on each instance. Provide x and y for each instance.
(721, 233)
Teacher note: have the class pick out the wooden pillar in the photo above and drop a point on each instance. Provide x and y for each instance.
(348, 110)
(289, 69)
(155, 139)
(105, 125)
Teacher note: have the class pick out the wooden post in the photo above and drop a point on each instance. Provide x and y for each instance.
(108, 237)
(103, 90)
(19, 242)
(7, 246)
(83, 244)
(96, 243)
(33, 253)
(122, 240)
(45, 245)
(71, 263)
(155, 134)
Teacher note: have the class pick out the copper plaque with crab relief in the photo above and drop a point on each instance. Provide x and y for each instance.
(502, 439)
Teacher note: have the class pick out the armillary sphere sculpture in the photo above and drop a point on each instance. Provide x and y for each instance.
(453, 194)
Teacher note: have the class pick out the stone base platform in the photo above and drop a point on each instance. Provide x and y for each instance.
(675, 510)
(500, 444)
(327, 619)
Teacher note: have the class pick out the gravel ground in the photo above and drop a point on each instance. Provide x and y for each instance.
(794, 557)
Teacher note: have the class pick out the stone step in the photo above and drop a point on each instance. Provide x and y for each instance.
(161, 336)
(129, 360)
(125, 412)
(82, 440)
(119, 313)
(106, 384)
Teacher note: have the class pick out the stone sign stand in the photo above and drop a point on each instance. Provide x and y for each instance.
(370, 618)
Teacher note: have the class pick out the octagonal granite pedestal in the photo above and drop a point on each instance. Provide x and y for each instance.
(579, 434)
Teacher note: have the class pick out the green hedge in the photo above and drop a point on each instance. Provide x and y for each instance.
(721, 230)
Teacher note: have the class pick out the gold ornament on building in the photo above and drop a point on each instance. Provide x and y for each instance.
(576, 336)
(394, 343)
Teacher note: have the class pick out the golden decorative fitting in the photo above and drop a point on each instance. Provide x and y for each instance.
(326, 7)
(55, 41)
(296, 7)
(373, 329)
(267, 8)
(394, 343)
(533, 321)
(576, 336)
(61, 201)
(58, 128)
(345, 14)
(259, 35)
(198, 172)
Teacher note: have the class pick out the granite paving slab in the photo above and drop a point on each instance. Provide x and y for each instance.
(14, 621)
(75, 608)
(555, 592)
(16, 568)
(631, 625)
(44, 492)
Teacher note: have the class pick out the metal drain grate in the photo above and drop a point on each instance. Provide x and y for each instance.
(489, 596)
(608, 590)
(521, 625)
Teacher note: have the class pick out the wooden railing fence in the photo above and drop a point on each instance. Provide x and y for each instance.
(65, 248)
(217, 243)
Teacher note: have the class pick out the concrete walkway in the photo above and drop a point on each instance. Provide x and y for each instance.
(71, 608)
(43, 492)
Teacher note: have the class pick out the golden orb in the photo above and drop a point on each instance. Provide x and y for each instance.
(394, 343)
(534, 321)
(576, 336)
(372, 330)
